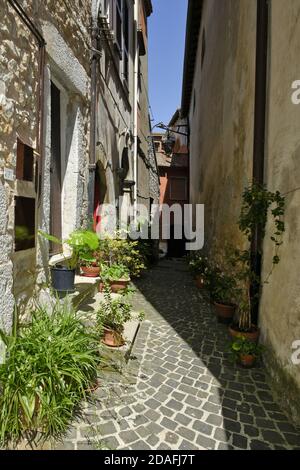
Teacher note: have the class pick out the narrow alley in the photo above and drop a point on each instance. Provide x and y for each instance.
(178, 390)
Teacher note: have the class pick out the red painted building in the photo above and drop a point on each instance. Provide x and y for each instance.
(173, 165)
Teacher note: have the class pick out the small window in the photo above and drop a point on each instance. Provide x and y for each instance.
(178, 189)
(25, 162)
(24, 223)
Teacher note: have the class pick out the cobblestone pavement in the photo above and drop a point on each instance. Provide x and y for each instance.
(178, 390)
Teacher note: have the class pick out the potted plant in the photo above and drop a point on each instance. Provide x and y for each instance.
(50, 363)
(258, 203)
(82, 244)
(245, 352)
(111, 318)
(200, 268)
(223, 290)
(86, 243)
(116, 276)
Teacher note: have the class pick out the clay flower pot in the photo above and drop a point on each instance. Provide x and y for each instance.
(116, 286)
(252, 335)
(247, 360)
(225, 313)
(200, 282)
(112, 338)
(90, 271)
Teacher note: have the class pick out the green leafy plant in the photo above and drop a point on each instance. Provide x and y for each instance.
(115, 272)
(243, 347)
(50, 364)
(223, 288)
(123, 252)
(83, 244)
(113, 313)
(257, 204)
(199, 265)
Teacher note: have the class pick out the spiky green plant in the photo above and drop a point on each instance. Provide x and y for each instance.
(50, 364)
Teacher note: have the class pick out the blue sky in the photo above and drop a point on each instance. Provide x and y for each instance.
(166, 53)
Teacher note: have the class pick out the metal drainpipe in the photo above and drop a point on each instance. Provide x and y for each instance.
(93, 122)
(259, 133)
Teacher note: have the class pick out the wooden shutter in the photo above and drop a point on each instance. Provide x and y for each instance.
(55, 169)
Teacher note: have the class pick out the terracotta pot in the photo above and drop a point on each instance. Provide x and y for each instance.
(252, 335)
(247, 361)
(116, 286)
(94, 387)
(90, 271)
(112, 338)
(200, 282)
(225, 313)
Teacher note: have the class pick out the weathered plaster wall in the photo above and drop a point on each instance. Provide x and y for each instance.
(221, 115)
(280, 303)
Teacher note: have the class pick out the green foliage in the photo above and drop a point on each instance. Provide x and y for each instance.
(50, 364)
(257, 203)
(123, 252)
(242, 346)
(223, 288)
(113, 313)
(199, 265)
(115, 272)
(83, 243)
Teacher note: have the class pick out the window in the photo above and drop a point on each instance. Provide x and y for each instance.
(25, 162)
(126, 41)
(118, 25)
(24, 223)
(119, 20)
(178, 189)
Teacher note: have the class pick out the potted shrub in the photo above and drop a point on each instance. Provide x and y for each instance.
(86, 243)
(223, 290)
(245, 352)
(258, 203)
(200, 269)
(111, 318)
(51, 362)
(116, 276)
(123, 251)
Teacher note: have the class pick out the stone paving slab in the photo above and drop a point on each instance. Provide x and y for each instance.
(178, 390)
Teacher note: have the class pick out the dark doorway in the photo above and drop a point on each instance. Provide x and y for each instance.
(176, 248)
(55, 170)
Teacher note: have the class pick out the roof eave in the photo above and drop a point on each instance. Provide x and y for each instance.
(194, 16)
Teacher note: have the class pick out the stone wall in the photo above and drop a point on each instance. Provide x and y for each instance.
(19, 54)
(65, 28)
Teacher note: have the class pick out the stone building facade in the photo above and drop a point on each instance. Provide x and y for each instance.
(68, 127)
(240, 63)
